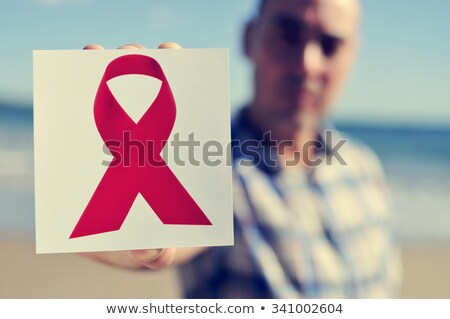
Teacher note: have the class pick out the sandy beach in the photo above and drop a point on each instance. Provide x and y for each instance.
(23, 274)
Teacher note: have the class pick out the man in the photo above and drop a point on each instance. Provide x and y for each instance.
(314, 222)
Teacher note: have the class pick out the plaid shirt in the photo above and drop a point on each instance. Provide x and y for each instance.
(318, 233)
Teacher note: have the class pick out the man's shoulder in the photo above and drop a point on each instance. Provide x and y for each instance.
(359, 156)
(241, 127)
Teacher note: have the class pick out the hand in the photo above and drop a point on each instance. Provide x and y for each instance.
(135, 259)
(147, 258)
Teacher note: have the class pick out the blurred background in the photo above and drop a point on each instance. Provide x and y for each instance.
(397, 101)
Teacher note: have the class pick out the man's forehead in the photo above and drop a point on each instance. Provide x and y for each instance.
(339, 17)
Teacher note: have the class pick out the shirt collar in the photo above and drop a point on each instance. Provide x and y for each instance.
(250, 143)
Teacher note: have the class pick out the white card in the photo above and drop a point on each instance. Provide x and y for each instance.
(132, 202)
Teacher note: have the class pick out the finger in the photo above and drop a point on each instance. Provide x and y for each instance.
(169, 45)
(131, 46)
(93, 46)
(155, 258)
(145, 255)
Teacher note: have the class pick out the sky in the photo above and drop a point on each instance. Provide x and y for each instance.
(402, 74)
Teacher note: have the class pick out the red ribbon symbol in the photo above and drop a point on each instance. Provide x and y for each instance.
(117, 190)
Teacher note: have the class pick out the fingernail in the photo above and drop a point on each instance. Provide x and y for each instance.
(169, 45)
(127, 47)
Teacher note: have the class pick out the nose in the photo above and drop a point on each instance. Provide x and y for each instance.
(309, 60)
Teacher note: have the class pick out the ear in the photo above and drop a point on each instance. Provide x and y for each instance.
(248, 38)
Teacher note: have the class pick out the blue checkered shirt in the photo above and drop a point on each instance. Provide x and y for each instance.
(325, 232)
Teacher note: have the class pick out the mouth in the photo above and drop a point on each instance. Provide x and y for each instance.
(301, 93)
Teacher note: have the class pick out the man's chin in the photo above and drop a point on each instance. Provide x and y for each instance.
(296, 117)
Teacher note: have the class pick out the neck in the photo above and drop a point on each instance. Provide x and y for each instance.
(295, 148)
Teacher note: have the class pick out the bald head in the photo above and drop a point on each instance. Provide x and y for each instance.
(350, 10)
(354, 3)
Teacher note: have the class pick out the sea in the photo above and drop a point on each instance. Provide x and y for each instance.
(416, 160)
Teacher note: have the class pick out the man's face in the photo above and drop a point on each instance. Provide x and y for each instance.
(302, 51)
